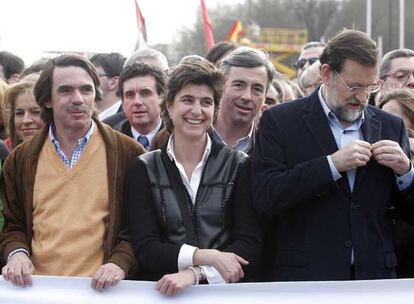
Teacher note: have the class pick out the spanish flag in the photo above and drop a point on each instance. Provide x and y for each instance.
(235, 32)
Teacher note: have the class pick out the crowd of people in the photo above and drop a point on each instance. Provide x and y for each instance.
(218, 170)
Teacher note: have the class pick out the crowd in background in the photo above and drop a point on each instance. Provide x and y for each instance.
(217, 176)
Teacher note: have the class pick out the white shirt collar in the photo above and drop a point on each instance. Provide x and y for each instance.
(52, 133)
(110, 111)
(242, 144)
(193, 183)
(171, 153)
(150, 136)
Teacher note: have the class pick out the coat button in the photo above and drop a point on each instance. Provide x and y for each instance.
(348, 244)
(354, 205)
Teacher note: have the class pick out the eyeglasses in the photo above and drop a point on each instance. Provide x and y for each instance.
(301, 63)
(358, 89)
(401, 76)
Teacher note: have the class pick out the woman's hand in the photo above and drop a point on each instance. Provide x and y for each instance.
(228, 264)
(171, 284)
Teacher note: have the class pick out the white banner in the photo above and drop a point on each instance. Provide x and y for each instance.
(62, 290)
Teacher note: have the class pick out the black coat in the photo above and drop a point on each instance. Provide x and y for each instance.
(317, 222)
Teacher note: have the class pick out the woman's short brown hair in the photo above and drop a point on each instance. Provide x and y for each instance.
(191, 72)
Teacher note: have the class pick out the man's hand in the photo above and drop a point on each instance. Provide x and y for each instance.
(356, 154)
(107, 275)
(228, 264)
(171, 284)
(19, 270)
(390, 154)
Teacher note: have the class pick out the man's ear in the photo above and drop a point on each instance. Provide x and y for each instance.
(381, 82)
(13, 78)
(169, 106)
(113, 82)
(48, 104)
(326, 74)
(263, 107)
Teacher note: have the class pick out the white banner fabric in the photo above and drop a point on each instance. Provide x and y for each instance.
(65, 290)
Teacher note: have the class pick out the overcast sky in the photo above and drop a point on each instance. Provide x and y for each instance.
(30, 27)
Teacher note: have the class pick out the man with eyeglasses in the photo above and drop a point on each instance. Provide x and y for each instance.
(396, 71)
(328, 167)
(310, 54)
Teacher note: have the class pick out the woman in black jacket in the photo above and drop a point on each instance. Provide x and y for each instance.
(190, 206)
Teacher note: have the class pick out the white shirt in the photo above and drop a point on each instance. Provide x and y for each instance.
(150, 136)
(109, 111)
(185, 256)
(243, 144)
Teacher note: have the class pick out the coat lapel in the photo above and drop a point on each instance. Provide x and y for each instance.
(318, 124)
(371, 130)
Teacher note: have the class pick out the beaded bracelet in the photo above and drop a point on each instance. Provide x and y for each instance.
(196, 275)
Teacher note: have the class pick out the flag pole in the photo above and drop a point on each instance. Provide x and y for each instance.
(402, 23)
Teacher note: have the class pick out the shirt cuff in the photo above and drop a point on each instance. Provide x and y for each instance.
(16, 251)
(335, 174)
(212, 275)
(404, 181)
(185, 257)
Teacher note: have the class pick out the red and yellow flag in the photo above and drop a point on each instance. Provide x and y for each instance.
(208, 29)
(235, 32)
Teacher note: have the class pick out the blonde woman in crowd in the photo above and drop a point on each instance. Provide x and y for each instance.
(25, 115)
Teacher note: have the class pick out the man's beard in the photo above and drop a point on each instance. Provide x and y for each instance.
(340, 110)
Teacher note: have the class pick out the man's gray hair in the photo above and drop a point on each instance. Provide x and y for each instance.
(390, 56)
(247, 57)
(142, 54)
(313, 44)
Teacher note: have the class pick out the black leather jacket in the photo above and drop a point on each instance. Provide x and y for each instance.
(209, 217)
(222, 216)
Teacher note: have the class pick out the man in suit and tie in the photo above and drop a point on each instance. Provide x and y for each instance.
(149, 56)
(141, 86)
(328, 167)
